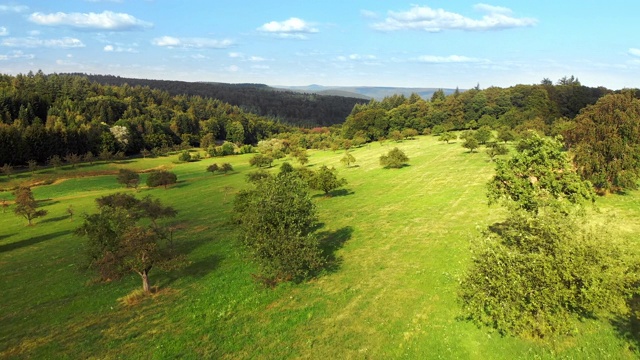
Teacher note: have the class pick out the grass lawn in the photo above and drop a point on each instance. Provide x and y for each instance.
(401, 237)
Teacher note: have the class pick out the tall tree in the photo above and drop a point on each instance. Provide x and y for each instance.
(325, 179)
(606, 142)
(118, 244)
(277, 220)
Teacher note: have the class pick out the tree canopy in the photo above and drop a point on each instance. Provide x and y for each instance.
(606, 142)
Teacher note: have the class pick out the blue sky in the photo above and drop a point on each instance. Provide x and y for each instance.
(349, 42)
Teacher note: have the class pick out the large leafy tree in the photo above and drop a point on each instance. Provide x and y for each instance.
(119, 242)
(26, 205)
(537, 175)
(606, 142)
(532, 274)
(277, 220)
(395, 158)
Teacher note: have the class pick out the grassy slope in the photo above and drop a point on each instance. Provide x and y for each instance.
(402, 237)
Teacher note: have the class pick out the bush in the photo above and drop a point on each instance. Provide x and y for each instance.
(246, 149)
(395, 158)
(213, 168)
(161, 178)
(184, 156)
(128, 178)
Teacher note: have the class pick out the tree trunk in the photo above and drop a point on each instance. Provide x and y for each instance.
(145, 281)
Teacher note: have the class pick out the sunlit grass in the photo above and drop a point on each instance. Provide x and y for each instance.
(401, 236)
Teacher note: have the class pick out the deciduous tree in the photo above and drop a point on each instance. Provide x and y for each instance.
(326, 180)
(161, 178)
(395, 158)
(26, 205)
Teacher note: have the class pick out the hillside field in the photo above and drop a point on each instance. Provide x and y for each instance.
(401, 237)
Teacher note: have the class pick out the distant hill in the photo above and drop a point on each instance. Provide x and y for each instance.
(366, 92)
(299, 108)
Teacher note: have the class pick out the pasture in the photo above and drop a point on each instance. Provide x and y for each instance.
(401, 239)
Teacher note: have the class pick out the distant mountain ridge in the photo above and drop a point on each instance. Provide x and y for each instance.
(366, 92)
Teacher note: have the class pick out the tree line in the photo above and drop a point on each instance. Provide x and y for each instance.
(42, 116)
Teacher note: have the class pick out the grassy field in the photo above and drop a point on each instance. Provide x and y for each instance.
(401, 238)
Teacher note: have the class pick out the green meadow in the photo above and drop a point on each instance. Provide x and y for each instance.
(400, 238)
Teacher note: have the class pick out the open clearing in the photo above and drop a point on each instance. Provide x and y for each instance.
(402, 237)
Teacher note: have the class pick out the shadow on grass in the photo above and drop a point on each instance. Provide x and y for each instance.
(332, 241)
(53, 219)
(628, 327)
(335, 193)
(2, 237)
(32, 241)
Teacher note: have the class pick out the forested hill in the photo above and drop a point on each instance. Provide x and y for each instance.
(294, 108)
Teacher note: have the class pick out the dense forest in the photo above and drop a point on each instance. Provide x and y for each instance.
(294, 108)
(42, 116)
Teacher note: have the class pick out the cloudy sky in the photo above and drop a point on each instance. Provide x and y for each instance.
(348, 42)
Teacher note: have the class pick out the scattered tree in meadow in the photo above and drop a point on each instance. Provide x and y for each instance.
(276, 220)
(326, 180)
(161, 178)
(7, 169)
(225, 168)
(55, 161)
(535, 273)
(26, 205)
(255, 176)
(496, 150)
(394, 159)
(213, 168)
(483, 134)
(285, 167)
(470, 143)
(128, 178)
(447, 136)
(505, 134)
(409, 134)
(606, 142)
(184, 156)
(396, 135)
(118, 244)
(261, 160)
(33, 166)
(105, 155)
(73, 159)
(301, 155)
(348, 159)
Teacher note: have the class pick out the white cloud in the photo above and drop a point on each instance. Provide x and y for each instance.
(436, 20)
(3, 31)
(432, 59)
(31, 42)
(260, 67)
(233, 68)
(107, 20)
(356, 57)
(13, 8)
(34, 32)
(111, 48)
(195, 43)
(634, 52)
(16, 55)
(369, 14)
(256, 59)
(290, 28)
(235, 55)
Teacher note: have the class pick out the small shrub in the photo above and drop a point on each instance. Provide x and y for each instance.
(395, 158)
(184, 156)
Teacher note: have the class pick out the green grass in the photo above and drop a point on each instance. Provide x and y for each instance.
(402, 237)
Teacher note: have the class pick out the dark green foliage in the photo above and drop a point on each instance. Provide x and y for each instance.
(538, 175)
(128, 178)
(276, 220)
(225, 168)
(26, 205)
(326, 180)
(531, 276)
(606, 142)
(506, 134)
(213, 168)
(246, 149)
(117, 244)
(395, 158)
(55, 161)
(161, 178)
